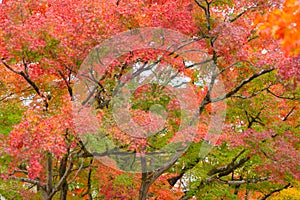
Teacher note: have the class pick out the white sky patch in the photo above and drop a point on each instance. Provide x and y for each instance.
(27, 100)
(264, 51)
(161, 76)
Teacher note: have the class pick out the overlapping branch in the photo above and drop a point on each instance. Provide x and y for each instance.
(241, 84)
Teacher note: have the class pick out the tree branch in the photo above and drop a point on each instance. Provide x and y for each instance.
(8, 67)
(242, 13)
(206, 11)
(289, 114)
(229, 168)
(29, 81)
(245, 181)
(233, 64)
(274, 191)
(200, 5)
(244, 82)
(254, 119)
(49, 173)
(252, 95)
(62, 179)
(77, 172)
(67, 82)
(7, 96)
(19, 171)
(290, 98)
(27, 180)
(199, 63)
(89, 181)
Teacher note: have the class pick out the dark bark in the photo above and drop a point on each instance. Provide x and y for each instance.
(62, 170)
(149, 177)
(89, 184)
(274, 191)
(144, 188)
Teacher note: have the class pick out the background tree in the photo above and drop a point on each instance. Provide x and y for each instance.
(43, 44)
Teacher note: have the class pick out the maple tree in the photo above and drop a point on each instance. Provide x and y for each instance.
(283, 24)
(241, 57)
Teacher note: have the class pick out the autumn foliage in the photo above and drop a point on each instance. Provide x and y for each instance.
(219, 118)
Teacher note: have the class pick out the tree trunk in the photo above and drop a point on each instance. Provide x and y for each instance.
(145, 185)
(64, 191)
(144, 188)
(45, 195)
(62, 170)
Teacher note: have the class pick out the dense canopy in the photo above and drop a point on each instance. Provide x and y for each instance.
(149, 99)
